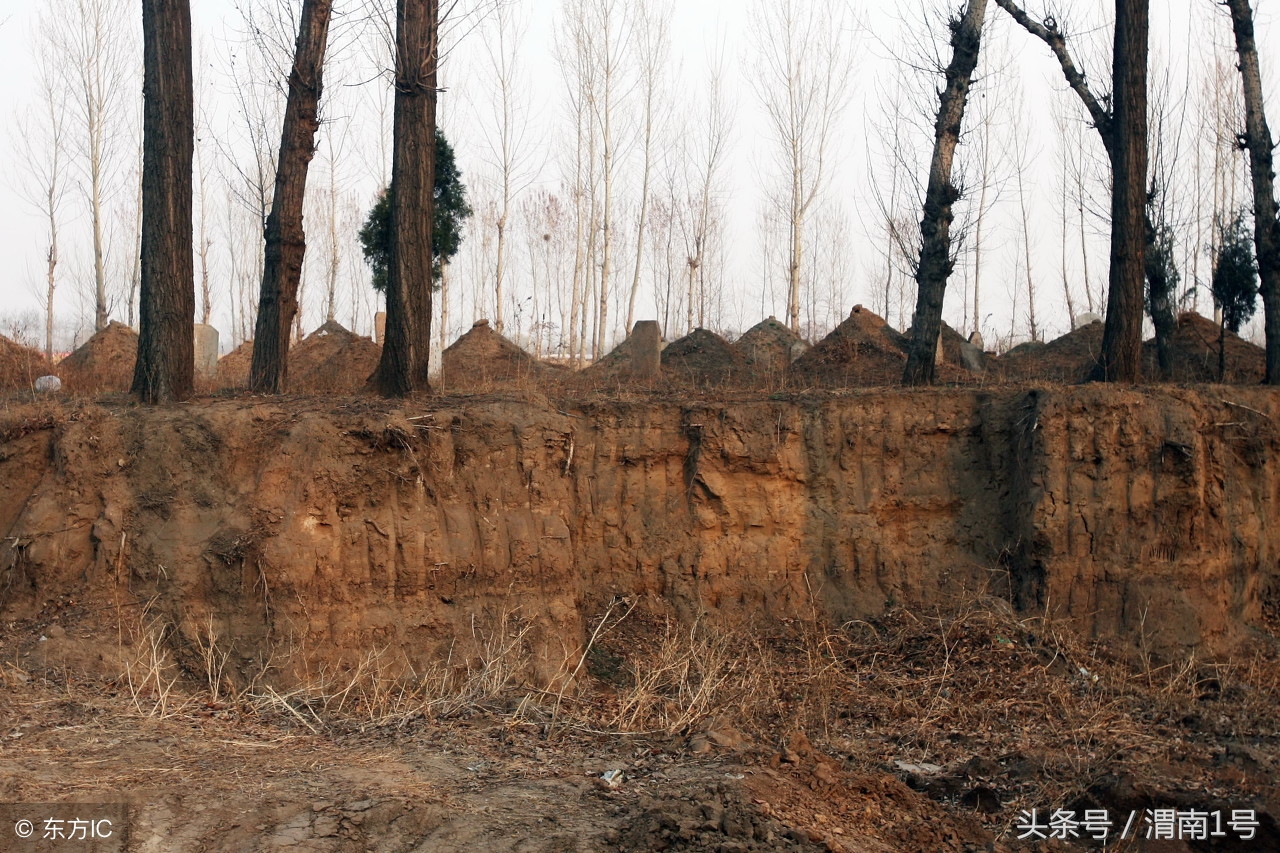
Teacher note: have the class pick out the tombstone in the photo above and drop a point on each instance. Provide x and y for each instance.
(48, 384)
(646, 349)
(1085, 319)
(206, 340)
(976, 340)
(971, 358)
(380, 327)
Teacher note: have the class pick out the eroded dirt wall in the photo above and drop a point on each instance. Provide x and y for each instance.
(339, 528)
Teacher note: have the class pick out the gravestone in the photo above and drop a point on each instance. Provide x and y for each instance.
(206, 340)
(646, 349)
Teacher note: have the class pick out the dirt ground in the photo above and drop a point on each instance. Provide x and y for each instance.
(645, 620)
(924, 733)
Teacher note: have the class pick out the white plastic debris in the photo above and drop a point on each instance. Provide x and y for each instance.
(923, 768)
(612, 778)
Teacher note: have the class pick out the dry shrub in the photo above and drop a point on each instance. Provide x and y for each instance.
(378, 688)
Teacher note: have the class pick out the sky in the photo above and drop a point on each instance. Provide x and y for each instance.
(1020, 90)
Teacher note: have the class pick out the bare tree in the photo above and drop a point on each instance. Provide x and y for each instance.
(42, 141)
(93, 50)
(1021, 157)
(1124, 135)
(406, 352)
(285, 238)
(1257, 139)
(507, 141)
(652, 48)
(1121, 357)
(699, 215)
(806, 66)
(935, 264)
(166, 351)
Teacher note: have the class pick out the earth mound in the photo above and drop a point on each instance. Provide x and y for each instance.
(637, 360)
(332, 360)
(104, 363)
(863, 350)
(20, 366)
(233, 368)
(956, 350)
(1069, 359)
(1195, 354)
(769, 347)
(704, 358)
(482, 358)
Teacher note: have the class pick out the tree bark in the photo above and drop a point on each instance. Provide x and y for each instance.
(935, 247)
(285, 239)
(1120, 359)
(166, 350)
(1266, 218)
(1124, 136)
(1161, 298)
(407, 351)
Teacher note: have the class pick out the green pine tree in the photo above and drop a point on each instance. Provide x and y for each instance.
(451, 211)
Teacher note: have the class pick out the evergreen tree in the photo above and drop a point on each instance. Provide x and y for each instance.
(1235, 275)
(449, 213)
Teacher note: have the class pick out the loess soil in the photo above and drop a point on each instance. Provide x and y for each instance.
(704, 359)
(876, 620)
(20, 366)
(102, 364)
(1194, 354)
(483, 360)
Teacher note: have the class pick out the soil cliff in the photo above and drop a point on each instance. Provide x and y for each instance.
(334, 528)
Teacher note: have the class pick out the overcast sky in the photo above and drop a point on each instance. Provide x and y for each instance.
(1183, 33)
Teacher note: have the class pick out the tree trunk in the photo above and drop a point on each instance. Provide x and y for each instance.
(444, 303)
(406, 354)
(166, 349)
(1160, 297)
(1266, 219)
(285, 240)
(101, 314)
(1121, 357)
(51, 281)
(935, 248)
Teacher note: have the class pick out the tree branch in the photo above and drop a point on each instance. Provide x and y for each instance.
(1051, 35)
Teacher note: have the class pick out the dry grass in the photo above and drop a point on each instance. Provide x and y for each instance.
(974, 680)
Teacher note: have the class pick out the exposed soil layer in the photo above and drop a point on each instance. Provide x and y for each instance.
(1068, 359)
(769, 348)
(233, 368)
(20, 366)
(956, 350)
(370, 523)
(1194, 354)
(864, 350)
(704, 359)
(331, 360)
(482, 360)
(102, 364)
(882, 621)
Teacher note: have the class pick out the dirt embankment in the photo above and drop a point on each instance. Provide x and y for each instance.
(1146, 515)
